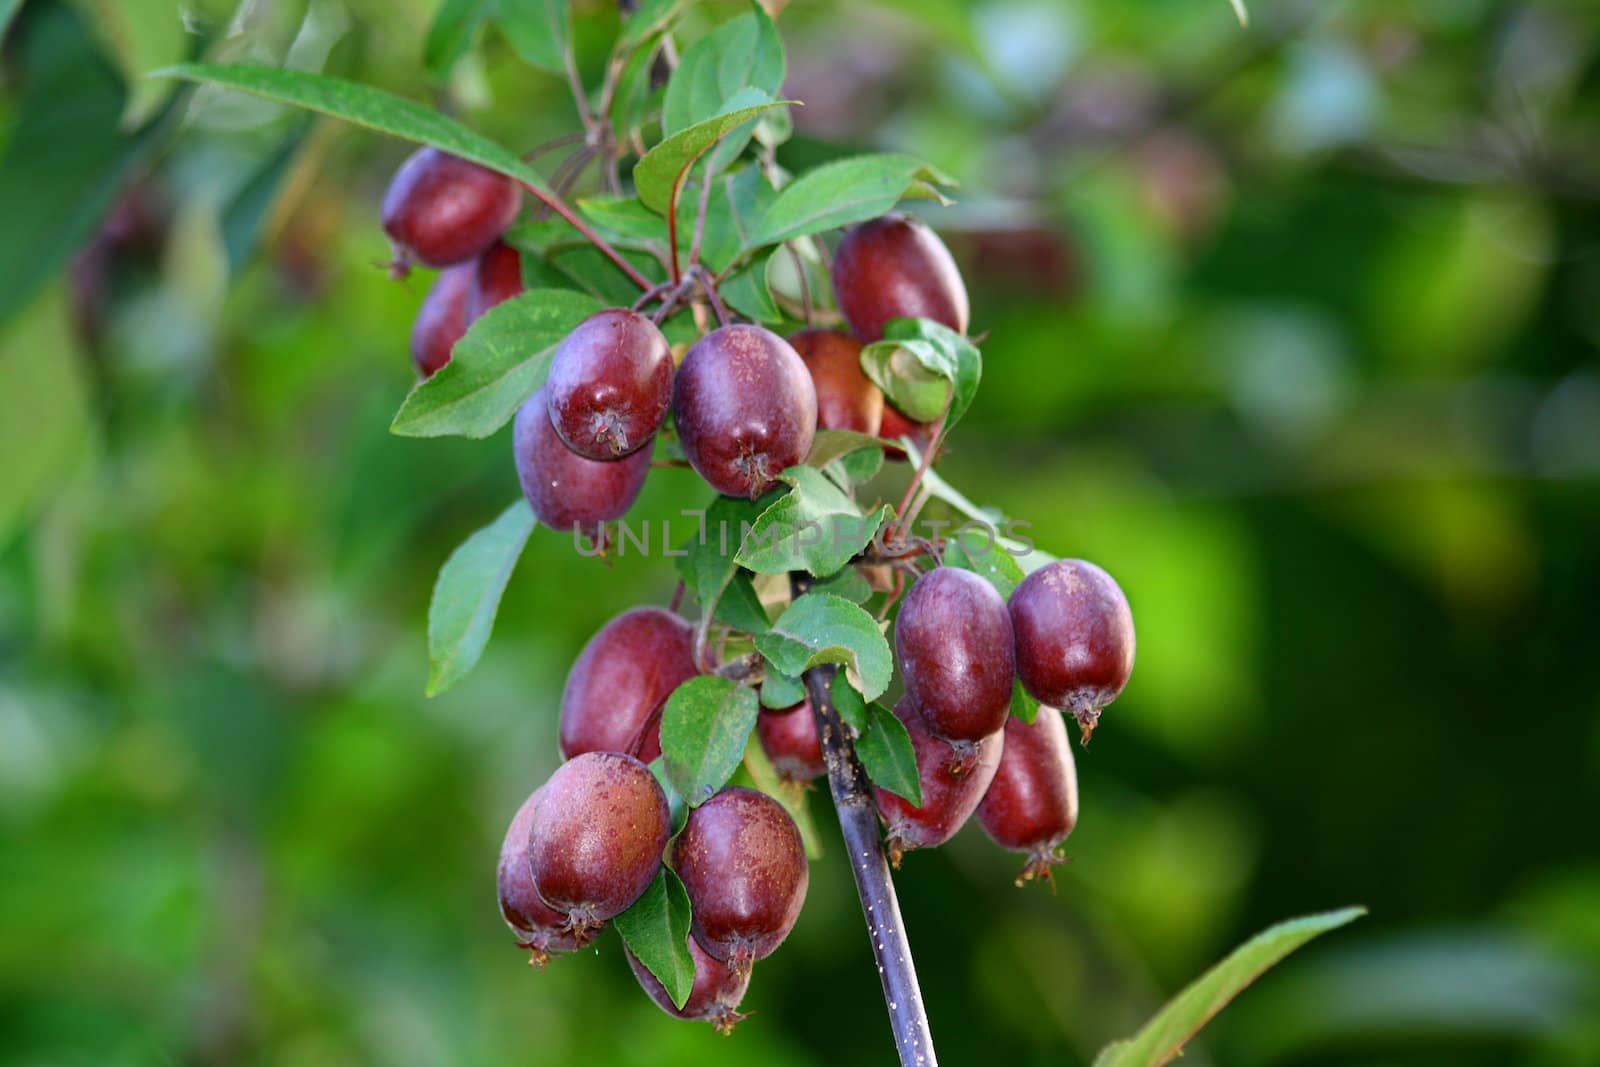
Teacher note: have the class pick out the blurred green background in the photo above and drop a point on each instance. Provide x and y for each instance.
(1293, 329)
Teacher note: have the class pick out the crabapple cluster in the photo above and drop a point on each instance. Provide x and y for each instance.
(587, 843)
(744, 404)
(1066, 635)
(443, 211)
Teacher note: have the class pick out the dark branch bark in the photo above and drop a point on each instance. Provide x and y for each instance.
(858, 819)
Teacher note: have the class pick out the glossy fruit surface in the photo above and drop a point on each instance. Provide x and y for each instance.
(896, 267)
(744, 407)
(496, 278)
(441, 320)
(948, 799)
(610, 384)
(742, 861)
(619, 681)
(596, 838)
(564, 488)
(716, 994)
(1074, 637)
(954, 646)
(846, 398)
(539, 928)
(1032, 804)
(789, 738)
(441, 209)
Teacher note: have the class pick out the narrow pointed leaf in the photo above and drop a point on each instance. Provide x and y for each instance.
(363, 105)
(1164, 1036)
(467, 595)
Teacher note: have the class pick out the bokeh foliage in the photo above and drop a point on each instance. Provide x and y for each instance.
(1293, 329)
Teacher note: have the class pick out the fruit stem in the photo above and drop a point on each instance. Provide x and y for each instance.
(858, 820)
(559, 206)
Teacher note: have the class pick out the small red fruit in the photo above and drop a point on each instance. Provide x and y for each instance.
(621, 679)
(948, 798)
(742, 861)
(496, 279)
(1032, 804)
(896, 267)
(745, 408)
(441, 320)
(564, 488)
(441, 209)
(716, 994)
(598, 831)
(1074, 636)
(610, 384)
(789, 738)
(846, 398)
(539, 929)
(953, 642)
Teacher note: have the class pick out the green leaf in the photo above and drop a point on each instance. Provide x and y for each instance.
(467, 595)
(924, 366)
(365, 106)
(142, 36)
(781, 691)
(1023, 706)
(661, 173)
(847, 583)
(65, 157)
(631, 103)
(624, 216)
(656, 930)
(648, 19)
(829, 445)
(887, 755)
(746, 292)
(882, 743)
(844, 192)
(708, 567)
(501, 362)
(1163, 1037)
(539, 31)
(851, 705)
(704, 727)
(822, 628)
(744, 52)
(814, 527)
(454, 25)
(740, 606)
(792, 795)
(856, 467)
(677, 807)
(977, 551)
(43, 375)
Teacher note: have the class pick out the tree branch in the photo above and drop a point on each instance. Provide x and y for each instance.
(858, 819)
